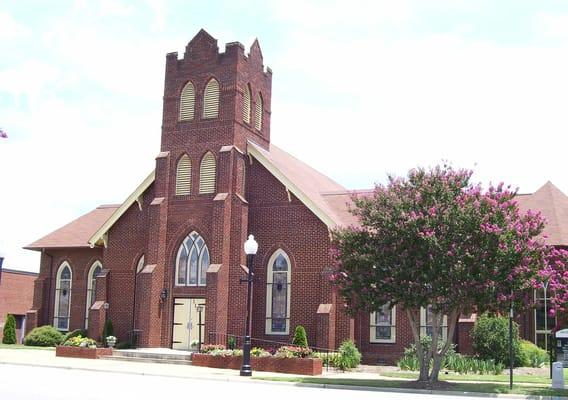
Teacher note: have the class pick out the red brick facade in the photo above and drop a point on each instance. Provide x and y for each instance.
(16, 295)
(248, 199)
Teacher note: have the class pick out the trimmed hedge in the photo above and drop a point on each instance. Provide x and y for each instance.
(43, 336)
(300, 337)
(490, 340)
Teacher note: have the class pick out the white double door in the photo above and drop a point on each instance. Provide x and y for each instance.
(186, 323)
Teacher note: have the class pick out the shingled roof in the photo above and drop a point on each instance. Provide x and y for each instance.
(553, 204)
(77, 232)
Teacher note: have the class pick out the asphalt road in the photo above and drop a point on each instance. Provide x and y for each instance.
(41, 383)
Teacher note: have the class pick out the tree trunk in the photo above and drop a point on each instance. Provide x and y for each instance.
(422, 354)
(439, 355)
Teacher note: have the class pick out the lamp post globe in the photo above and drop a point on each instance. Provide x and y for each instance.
(251, 247)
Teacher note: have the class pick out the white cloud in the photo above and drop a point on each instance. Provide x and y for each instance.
(10, 29)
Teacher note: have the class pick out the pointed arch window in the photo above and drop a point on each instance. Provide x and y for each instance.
(94, 271)
(211, 99)
(246, 104)
(63, 284)
(192, 261)
(207, 174)
(140, 264)
(278, 283)
(183, 176)
(187, 102)
(258, 107)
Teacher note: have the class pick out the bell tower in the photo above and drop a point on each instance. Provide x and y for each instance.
(213, 104)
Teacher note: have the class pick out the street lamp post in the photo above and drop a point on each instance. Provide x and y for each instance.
(1, 262)
(547, 335)
(200, 309)
(251, 246)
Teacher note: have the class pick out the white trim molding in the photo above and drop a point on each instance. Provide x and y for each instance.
(390, 323)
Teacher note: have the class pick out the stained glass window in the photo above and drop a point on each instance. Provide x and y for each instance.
(278, 294)
(192, 261)
(62, 297)
(95, 270)
(426, 318)
(383, 325)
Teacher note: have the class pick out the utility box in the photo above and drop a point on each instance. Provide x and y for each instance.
(562, 347)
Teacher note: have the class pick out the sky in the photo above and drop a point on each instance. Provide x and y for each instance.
(361, 89)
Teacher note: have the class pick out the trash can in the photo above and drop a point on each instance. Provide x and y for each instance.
(557, 375)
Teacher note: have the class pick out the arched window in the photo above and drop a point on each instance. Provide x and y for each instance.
(192, 261)
(246, 104)
(62, 297)
(183, 176)
(258, 112)
(211, 99)
(278, 294)
(207, 174)
(95, 270)
(187, 102)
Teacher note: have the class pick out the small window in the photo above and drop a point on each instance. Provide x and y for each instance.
(211, 100)
(258, 113)
(95, 270)
(544, 323)
(187, 102)
(63, 284)
(183, 176)
(140, 264)
(246, 105)
(426, 317)
(207, 174)
(383, 325)
(278, 281)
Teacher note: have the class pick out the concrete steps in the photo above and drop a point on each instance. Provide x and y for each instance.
(156, 356)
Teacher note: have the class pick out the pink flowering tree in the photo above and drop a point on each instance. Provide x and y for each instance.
(435, 239)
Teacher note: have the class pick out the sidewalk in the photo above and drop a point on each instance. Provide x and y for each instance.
(46, 358)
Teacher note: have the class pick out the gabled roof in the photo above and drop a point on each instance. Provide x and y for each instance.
(307, 184)
(97, 236)
(553, 204)
(76, 233)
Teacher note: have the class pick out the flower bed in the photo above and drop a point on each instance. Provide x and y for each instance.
(82, 352)
(287, 360)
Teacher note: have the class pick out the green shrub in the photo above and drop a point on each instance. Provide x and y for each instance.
(300, 337)
(408, 363)
(9, 330)
(328, 359)
(349, 356)
(532, 355)
(231, 342)
(490, 340)
(44, 336)
(72, 334)
(107, 331)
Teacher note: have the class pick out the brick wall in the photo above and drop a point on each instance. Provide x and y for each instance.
(16, 294)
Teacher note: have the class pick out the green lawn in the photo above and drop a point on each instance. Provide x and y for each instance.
(21, 346)
(493, 388)
(474, 377)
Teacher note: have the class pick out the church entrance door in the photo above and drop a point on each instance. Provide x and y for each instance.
(186, 323)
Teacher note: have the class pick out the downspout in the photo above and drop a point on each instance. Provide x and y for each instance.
(49, 305)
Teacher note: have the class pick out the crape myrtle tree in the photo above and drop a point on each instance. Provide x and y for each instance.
(436, 239)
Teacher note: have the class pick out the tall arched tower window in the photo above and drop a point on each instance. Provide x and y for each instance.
(278, 283)
(211, 99)
(183, 176)
(246, 104)
(192, 261)
(94, 271)
(258, 112)
(207, 174)
(63, 282)
(187, 102)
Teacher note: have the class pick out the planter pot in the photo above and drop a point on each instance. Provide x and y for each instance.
(82, 352)
(298, 366)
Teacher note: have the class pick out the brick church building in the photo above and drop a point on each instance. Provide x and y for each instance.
(176, 243)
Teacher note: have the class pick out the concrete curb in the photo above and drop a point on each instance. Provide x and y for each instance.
(300, 384)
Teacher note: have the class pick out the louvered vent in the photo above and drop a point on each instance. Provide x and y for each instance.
(246, 105)
(207, 174)
(258, 113)
(187, 102)
(211, 100)
(183, 176)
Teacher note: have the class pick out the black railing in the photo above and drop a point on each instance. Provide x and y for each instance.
(232, 342)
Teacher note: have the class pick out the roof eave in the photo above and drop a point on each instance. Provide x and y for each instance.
(324, 216)
(97, 237)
